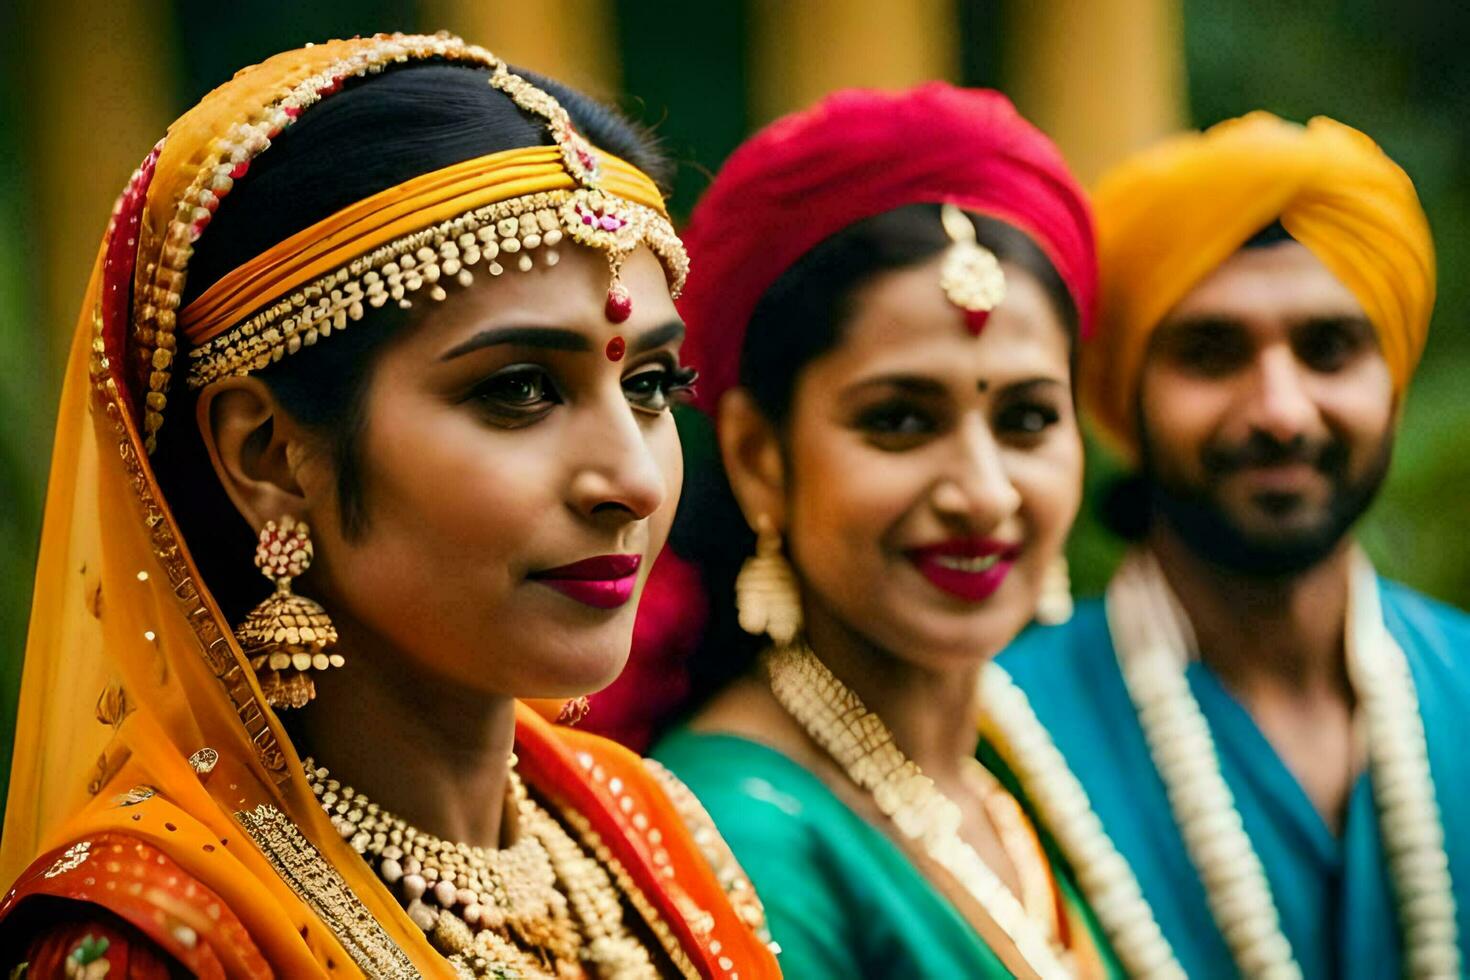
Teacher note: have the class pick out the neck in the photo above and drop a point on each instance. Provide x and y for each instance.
(930, 711)
(422, 748)
(1285, 632)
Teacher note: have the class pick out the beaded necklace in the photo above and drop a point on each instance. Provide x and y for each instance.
(859, 741)
(539, 908)
(1153, 640)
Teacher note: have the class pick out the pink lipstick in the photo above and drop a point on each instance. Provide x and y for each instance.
(967, 568)
(604, 582)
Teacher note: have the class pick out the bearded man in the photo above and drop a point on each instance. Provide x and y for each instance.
(1270, 733)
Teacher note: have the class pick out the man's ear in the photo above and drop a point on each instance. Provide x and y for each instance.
(254, 447)
(751, 450)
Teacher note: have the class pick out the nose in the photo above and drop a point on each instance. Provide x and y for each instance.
(978, 490)
(618, 474)
(1280, 404)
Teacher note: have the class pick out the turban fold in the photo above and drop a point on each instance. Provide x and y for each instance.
(1171, 215)
(856, 154)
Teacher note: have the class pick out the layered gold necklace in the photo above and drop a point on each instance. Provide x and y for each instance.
(540, 908)
(862, 745)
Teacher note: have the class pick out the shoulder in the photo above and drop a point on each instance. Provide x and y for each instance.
(824, 876)
(748, 786)
(1081, 648)
(116, 898)
(1435, 637)
(1418, 614)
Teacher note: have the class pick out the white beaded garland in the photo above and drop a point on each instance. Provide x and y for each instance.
(1153, 640)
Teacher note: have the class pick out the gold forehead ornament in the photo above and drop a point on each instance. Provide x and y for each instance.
(970, 275)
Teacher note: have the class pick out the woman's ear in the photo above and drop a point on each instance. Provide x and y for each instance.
(751, 450)
(254, 447)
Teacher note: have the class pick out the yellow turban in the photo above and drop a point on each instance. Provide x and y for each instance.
(1169, 216)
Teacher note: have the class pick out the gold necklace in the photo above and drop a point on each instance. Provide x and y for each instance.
(539, 908)
(863, 746)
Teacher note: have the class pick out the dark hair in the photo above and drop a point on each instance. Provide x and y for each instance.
(376, 133)
(800, 318)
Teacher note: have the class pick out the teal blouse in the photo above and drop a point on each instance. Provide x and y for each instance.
(842, 900)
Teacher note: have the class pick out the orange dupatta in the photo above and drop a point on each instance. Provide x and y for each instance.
(131, 669)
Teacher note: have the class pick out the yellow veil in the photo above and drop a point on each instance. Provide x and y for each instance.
(130, 668)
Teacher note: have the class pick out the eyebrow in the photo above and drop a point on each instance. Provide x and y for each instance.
(665, 334)
(547, 338)
(557, 338)
(1347, 321)
(1205, 322)
(913, 384)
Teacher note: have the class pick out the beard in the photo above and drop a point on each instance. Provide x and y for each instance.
(1198, 514)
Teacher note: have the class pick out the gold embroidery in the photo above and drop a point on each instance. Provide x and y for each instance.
(213, 641)
(71, 859)
(134, 796)
(593, 842)
(318, 884)
(712, 846)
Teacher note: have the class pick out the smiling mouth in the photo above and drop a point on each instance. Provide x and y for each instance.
(983, 563)
(968, 569)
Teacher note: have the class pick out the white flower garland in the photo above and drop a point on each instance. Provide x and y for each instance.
(1112, 891)
(1153, 640)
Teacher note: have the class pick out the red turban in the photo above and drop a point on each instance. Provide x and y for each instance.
(859, 153)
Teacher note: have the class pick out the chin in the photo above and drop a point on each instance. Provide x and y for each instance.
(583, 666)
(948, 639)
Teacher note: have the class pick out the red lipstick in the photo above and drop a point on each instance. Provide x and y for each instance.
(604, 582)
(966, 568)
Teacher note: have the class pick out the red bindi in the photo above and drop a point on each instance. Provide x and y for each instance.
(616, 348)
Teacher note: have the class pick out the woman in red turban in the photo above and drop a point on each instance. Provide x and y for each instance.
(888, 296)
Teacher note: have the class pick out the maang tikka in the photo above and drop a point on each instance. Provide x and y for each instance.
(970, 274)
(288, 635)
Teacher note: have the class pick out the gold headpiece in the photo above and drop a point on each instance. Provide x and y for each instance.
(970, 274)
(418, 236)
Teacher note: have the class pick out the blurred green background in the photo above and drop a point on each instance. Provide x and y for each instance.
(87, 88)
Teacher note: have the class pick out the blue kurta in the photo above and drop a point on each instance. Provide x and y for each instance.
(1333, 892)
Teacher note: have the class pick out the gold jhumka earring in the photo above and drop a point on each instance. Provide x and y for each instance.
(1054, 607)
(766, 596)
(288, 635)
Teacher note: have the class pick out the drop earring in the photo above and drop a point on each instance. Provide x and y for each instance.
(1054, 606)
(766, 595)
(288, 635)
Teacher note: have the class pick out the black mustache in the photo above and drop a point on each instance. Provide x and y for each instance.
(1262, 449)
